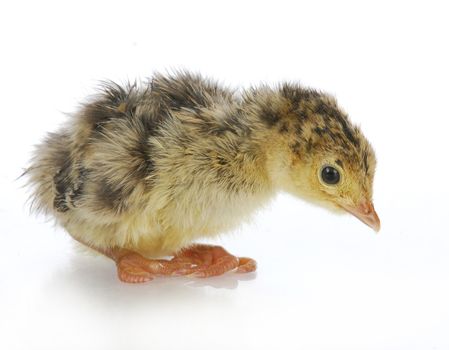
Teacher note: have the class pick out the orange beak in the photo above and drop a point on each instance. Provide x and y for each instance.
(365, 212)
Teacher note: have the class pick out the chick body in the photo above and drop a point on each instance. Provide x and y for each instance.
(152, 168)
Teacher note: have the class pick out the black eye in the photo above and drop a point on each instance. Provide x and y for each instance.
(330, 175)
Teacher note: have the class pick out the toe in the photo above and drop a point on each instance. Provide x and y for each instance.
(223, 265)
(246, 265)
(131, 269)
(180, 267)
(133, 275)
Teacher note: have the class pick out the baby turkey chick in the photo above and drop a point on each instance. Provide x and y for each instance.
(141, 172)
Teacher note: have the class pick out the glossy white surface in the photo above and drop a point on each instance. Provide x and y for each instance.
(324, 281)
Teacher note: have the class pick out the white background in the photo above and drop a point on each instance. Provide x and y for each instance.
(324, 281)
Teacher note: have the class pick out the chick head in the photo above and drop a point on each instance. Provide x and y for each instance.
(331, 163)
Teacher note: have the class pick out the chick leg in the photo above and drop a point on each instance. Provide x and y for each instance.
(209, 260)
(134, 268)
(199, 260)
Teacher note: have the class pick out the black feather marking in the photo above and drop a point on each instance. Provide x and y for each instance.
(319, 131)
(114, 102)
(269, 116)
(292, 94)
(296, 94)
(326, 111)
(69, 185)
(78, 188)
(348, 133)
(284, 128)
(309, 145)
(108, 196)
(303, 116)
(365, 161)
(142, 150)
(232, 123)
(62, 183)
(111, 196)
(186, 90)
(295, 147)
(298, 130)
(149, 126)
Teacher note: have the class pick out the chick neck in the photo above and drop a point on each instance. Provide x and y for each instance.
(279, 134)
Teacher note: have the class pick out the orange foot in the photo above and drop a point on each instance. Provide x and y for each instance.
(209, 260)
(134, 268)
(199, 260)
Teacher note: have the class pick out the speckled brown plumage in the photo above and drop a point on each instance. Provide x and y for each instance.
(152, 167)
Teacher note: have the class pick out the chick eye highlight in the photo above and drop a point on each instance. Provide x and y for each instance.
(330, 175)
